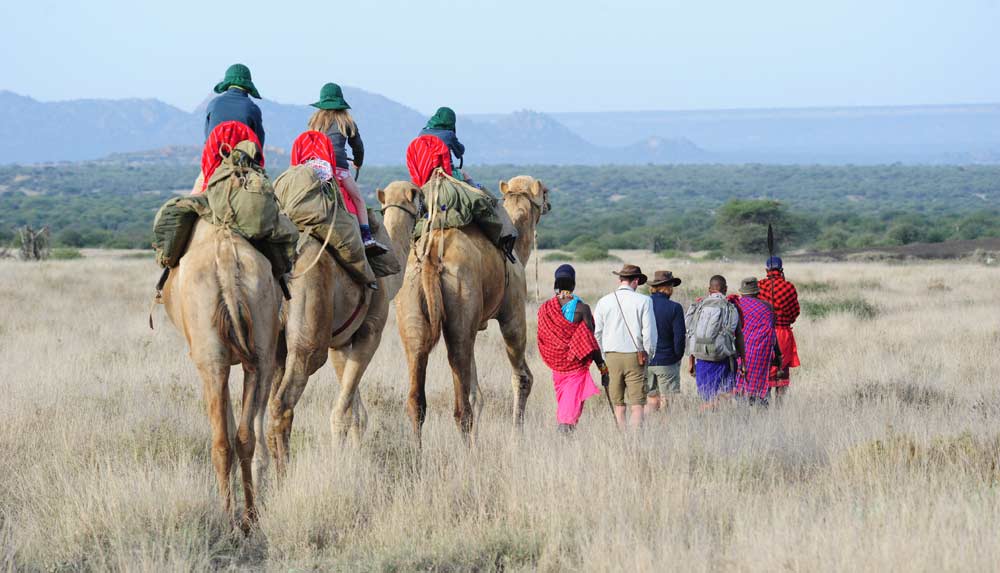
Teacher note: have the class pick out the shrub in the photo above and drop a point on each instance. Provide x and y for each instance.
(589, 253)
(65, 254)
(855, 305)
(557, 257)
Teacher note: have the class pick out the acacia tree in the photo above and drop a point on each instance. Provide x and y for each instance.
(742, 224)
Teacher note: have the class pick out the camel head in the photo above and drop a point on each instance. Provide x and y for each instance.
(529, 190)
(401, 202)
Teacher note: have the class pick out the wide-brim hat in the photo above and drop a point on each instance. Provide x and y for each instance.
(631, 272)
(331, 97)
(443, 118)
(664, 278)
(750, 285)
(237, 75)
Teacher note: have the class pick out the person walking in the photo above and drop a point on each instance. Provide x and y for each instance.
(757, 319)
(715, 342)
(784, 299)
(663, 377)
(567, 345)
(626, 330)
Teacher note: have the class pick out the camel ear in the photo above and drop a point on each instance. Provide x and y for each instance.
(503, 187)
(536, 188)
(411, 193)
(380, 193)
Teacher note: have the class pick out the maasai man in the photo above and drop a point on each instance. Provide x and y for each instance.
(567, 345)
(757, 320)
(715, 342)
(784, 300)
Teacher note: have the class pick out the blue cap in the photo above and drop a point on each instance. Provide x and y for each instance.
(774, 263)
(566, 271)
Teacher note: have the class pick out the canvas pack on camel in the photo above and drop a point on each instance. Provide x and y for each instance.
(238, 196)
(318, 210)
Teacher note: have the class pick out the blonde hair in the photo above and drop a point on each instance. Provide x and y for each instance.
(324, 118)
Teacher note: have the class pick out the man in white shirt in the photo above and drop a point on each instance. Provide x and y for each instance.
(626, 330)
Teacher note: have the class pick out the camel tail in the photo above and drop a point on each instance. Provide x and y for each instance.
(430, 281)
(233, 320)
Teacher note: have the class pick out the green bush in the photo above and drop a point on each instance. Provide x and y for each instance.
(557, 257)
(854, 305)
(590, 253)
(65, 254)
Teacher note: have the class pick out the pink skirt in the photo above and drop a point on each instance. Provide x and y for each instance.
(572, 390)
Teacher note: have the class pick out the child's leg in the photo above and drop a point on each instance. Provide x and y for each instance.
(359, 201)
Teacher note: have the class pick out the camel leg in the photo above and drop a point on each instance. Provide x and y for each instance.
(284, 397)
(476, 397)
(461, 346)
(416, 403)
(246, 441)
(215, 387)
(261, 458)
(351, 362)
(514, 327)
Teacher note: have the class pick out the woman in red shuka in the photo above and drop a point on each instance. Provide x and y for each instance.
(567, 345)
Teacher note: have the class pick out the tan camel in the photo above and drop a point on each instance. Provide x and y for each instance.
(330, 314)
(458, 294)
(224, 300)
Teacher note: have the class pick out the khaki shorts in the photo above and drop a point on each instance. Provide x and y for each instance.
(666, 379)
(628, 379)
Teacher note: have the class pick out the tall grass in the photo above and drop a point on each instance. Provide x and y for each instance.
(885, 456)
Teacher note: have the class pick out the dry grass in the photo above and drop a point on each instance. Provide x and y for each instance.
(885, 457)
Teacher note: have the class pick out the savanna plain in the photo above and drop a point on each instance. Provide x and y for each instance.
(884, 457)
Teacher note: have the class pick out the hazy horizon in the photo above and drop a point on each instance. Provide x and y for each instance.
(498, 57)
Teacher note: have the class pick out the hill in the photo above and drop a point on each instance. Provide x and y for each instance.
(43, 132)
(835, 135)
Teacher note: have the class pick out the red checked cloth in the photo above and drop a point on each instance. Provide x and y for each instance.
(565, 346)
(425, 154)
(226, 135)
(782, 296)
(316, 145)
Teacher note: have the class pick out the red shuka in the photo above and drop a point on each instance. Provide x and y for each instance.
(316, 145)
(425, 154)
(225, 135)
(565, 346)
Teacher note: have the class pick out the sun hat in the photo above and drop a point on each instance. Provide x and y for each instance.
(631, 272)
(237, 75)
(331, 97)
(443, 118)
(661, 278)
(750, 286)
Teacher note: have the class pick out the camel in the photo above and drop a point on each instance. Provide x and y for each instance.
(225, 301)
(454, 286)
(331, 314)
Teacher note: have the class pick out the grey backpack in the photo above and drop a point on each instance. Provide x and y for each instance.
(711, 329)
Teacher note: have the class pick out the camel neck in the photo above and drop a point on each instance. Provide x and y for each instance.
(523, 216)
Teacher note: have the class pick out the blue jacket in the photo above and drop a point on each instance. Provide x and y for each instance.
(449, 138)
(340, 146)
(234, 105)
(670, 330)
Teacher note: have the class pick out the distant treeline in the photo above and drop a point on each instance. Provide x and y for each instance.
(683, 207)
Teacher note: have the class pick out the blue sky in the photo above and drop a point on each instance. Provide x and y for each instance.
(499, 56)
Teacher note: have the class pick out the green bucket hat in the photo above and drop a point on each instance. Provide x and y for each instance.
(237, 75)
(331, 97)
(443, 118)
